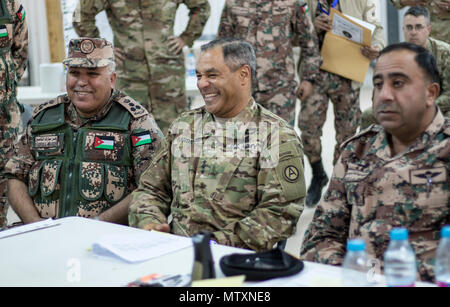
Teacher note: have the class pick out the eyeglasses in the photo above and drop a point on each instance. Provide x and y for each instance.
(418, 27)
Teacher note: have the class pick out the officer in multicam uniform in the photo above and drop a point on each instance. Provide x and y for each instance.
(440, 15)
(13, 54)
(270, 27)
(386, 177)
(343, 93)
(440, 50)
(150, 64)
(231, 168)
(83, 152)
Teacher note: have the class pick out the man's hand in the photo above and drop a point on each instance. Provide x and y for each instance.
(305, 90)
(157, 227)
(370, 52)
(322, 23)
(443, 5)
(176, 44)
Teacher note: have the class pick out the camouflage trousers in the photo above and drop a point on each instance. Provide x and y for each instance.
(368, 118)
(313, 111)
(163, 92)
(8, 136)
(280, 101)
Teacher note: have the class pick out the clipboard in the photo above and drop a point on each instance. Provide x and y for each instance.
(341, 49)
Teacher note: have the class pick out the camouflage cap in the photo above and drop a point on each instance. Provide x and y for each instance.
(89, 53)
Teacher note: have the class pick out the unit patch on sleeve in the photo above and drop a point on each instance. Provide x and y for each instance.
(141, 138)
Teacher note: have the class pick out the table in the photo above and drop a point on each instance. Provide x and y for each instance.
(62, 256)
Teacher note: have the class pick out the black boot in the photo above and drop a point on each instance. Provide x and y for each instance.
(318, 181)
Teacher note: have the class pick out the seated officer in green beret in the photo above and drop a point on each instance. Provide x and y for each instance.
(83, 152)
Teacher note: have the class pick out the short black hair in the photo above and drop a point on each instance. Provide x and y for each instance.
(423, 58)
(417, 11)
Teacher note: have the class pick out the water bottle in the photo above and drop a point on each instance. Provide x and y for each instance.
(442, 268)
(354, 272)
(190, 66)
(400, 268)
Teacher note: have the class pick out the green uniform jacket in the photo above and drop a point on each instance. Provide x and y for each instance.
(75, 166)
(219, 178)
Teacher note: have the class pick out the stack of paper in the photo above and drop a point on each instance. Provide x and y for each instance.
(139, 247)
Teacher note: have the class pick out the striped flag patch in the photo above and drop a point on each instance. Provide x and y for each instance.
(141, 138)
(104, 142)
(21, 13)
(3, 31)
(305, 8)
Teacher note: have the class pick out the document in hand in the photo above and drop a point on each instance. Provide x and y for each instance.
(141, 247)
(341, 49)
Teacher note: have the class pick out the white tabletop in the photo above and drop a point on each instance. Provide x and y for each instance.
(62, 256)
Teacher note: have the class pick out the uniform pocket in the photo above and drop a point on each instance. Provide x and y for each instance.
(355, 184)
(49, 176)
(91, 180)
(115, 183)
(33, 178)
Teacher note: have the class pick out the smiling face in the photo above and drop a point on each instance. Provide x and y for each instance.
(89, 89)
(403, 97)
(224, 91)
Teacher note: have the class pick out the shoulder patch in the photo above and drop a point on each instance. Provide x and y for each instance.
(447, 126)
(132, 106)
(58, 100)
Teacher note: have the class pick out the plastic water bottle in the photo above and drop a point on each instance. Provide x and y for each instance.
(190, 66)
(354, 272)
(400, 266)
(442, 268)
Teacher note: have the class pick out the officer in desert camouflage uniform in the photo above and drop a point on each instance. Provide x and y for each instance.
(393, 175)
(150, 64)
(440, 15)
(13, 54)
(343, 93)
(416, 29)
(231, 167)
(270, 27)
(83, 152)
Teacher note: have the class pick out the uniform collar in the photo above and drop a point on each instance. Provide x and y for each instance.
(381, 143)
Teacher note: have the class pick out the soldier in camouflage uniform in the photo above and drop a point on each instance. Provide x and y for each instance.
(440, 15)
(231, 168)
(150, 64)
(270, 27)
(13, 54)
(415, 17)
(83, 152)
(393, 175)
(343, 93)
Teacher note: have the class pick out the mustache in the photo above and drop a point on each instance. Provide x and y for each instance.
(386, 107)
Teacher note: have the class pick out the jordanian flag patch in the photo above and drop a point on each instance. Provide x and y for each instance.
(141, 138)
(21, 13)
(305, 8)
(3, 31)
(104, 142)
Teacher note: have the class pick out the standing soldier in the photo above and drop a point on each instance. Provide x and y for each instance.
(343, 93)
(83, 152)
(150, 61)
(13, 54)
(270, 26)
(439, 15)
